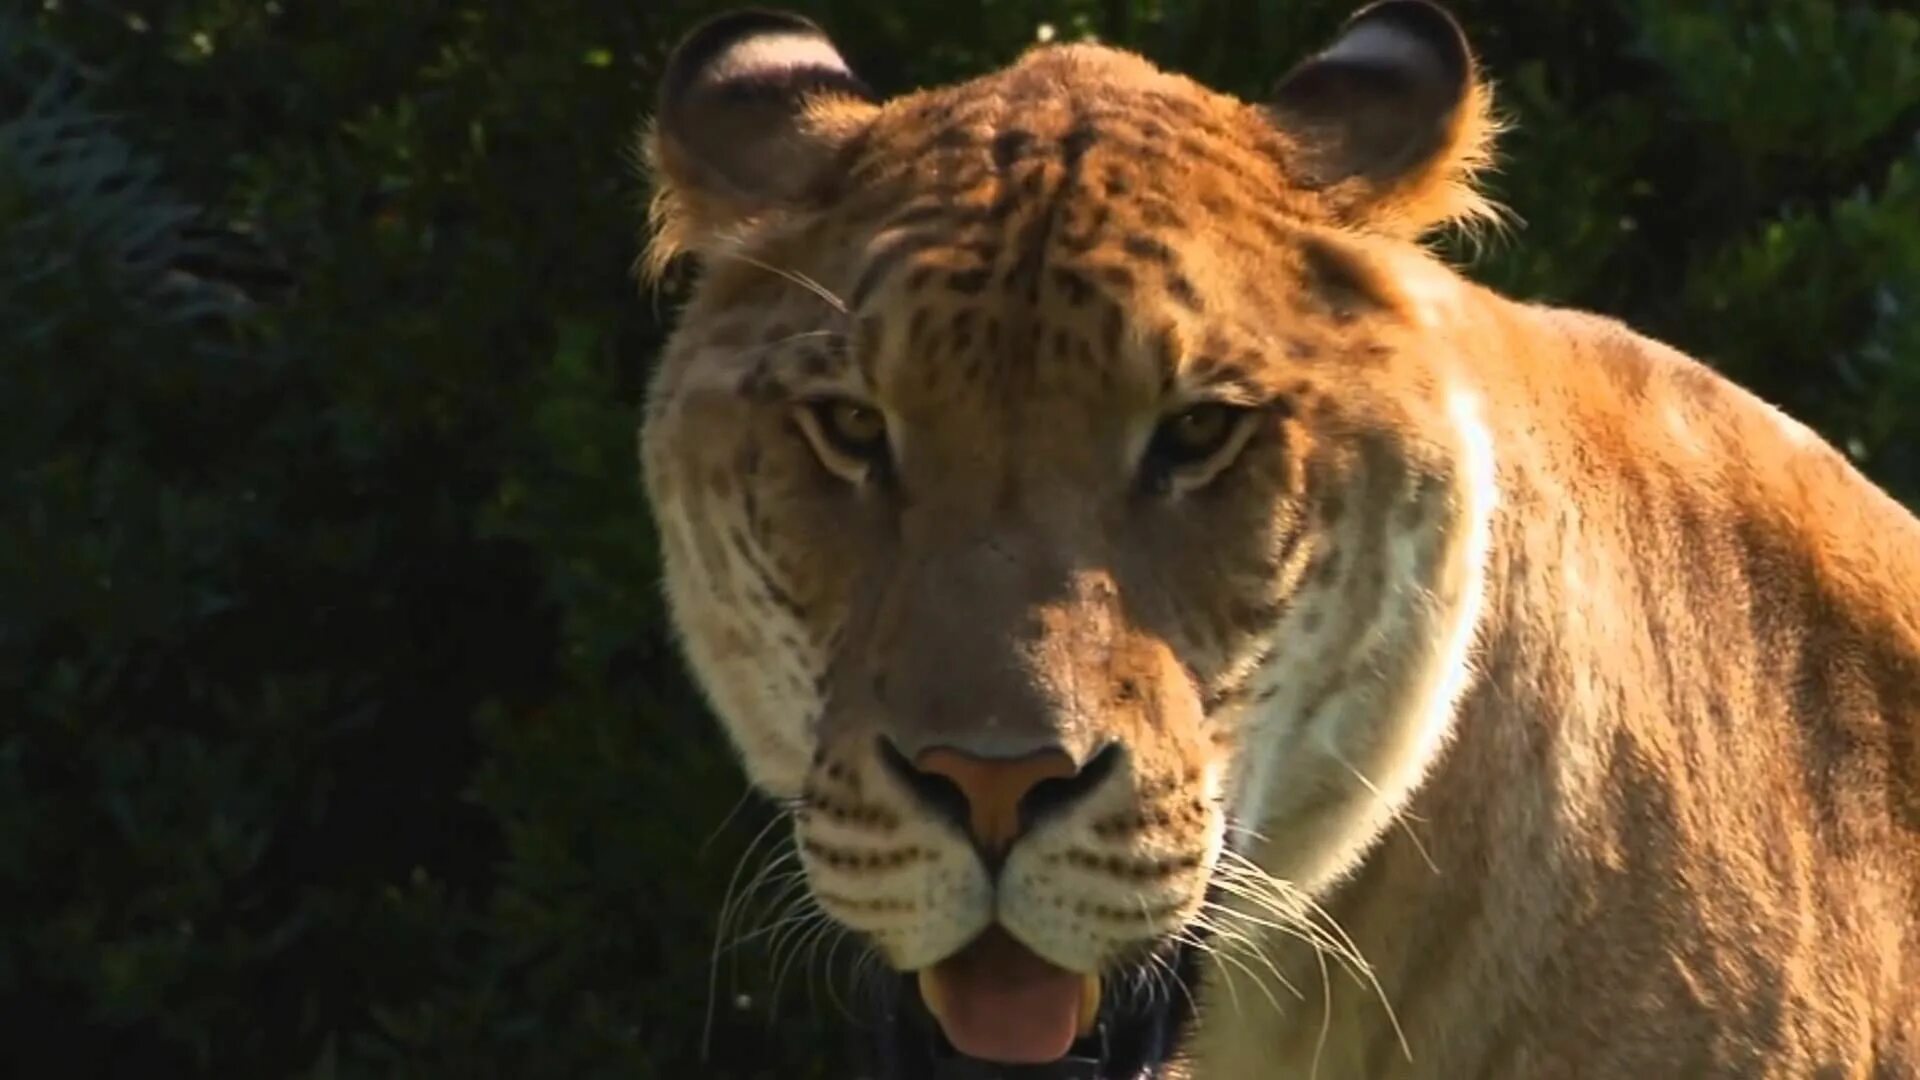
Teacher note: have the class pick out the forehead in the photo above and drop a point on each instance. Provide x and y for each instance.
(1080, 208)
(1107, 119)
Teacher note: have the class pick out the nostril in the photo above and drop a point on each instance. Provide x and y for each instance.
(938, 792)
(1049, 797)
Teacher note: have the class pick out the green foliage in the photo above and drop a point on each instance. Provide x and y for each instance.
(345, 736)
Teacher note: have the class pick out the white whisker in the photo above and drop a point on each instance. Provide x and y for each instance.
(727, 902)
(1360, 968)
(1326, 1015)
(1399, 817)
(796, 277)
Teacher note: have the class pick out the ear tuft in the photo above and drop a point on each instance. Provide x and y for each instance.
(1392, 120)
(753, 107)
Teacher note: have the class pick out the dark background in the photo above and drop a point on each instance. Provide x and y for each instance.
(343, 735)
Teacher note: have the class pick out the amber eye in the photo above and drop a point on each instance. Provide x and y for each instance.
(850, 437)
(1195, 434)
(855, 429)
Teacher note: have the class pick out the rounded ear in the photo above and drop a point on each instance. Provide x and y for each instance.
(752, 112)
(1395, 113)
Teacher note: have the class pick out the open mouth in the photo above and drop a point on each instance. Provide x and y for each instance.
(1000, 1001)
(997, 1011)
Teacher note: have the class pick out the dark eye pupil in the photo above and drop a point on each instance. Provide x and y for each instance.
(1200, 425)
(857, 423)
(854, 429)
(1190, 437)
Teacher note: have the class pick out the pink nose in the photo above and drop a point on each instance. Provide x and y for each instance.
(994, 788)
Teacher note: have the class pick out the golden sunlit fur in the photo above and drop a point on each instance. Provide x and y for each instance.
(1511, 696)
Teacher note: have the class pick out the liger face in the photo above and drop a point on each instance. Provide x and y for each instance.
(1019, 488)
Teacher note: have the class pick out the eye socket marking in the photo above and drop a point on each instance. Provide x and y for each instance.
(849, 436)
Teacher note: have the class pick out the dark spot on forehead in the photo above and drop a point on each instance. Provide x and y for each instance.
(953, 137)
(1074, 146)
(1159, 214)
(888, 258)
(1009, 147)
(1180, 289)
(1074, 288)
(1147, 248)
(1085, 230)
(759, 384)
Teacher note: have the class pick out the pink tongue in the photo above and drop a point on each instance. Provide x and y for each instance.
(998, 1001)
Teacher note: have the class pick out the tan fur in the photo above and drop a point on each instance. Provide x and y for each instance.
(1570, 689)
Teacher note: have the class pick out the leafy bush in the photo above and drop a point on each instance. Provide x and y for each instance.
(346, 737)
